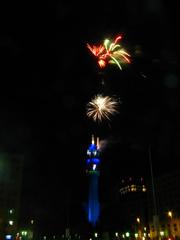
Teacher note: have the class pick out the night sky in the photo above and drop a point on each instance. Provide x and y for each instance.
(47, 78)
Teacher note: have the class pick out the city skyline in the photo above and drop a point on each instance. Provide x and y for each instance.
(47, 78)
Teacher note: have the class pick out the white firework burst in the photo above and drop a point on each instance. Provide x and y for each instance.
(102, 107)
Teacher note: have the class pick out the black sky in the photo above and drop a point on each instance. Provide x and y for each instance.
(48, 76)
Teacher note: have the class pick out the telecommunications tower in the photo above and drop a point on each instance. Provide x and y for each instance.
(92, 162)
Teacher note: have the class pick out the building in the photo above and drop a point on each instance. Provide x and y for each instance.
(127, 209)
(168, 205)
(133, 203)
(168, 192)
(11, 168)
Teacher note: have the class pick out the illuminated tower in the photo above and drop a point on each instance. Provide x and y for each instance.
(93, 161)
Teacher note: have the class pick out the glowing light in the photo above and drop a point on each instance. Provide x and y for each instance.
(94, 167)
(24, 233)
(162, 233)
(8, 237)
(100, 107)
(92, 139)
(136, 235)
(170, 214)
(110, 52)
(138, 219)
(11, 222)
(11, 211)
(98, 143)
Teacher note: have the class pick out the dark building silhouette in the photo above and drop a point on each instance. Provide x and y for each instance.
(127, 210)
(133, 203)
(168, 204)
(11, 168)
(168, 192)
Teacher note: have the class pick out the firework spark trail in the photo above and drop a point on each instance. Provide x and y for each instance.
(110, 52)
(101, 107)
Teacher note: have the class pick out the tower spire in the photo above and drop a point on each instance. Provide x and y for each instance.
(92, 139)
(97, 143)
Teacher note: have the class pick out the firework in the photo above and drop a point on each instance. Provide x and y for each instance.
(102, 107)
(110, 53)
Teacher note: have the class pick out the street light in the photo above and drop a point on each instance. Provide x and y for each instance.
(138, 220)
(170, 214)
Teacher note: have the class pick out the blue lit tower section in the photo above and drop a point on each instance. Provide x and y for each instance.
(93, 162)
